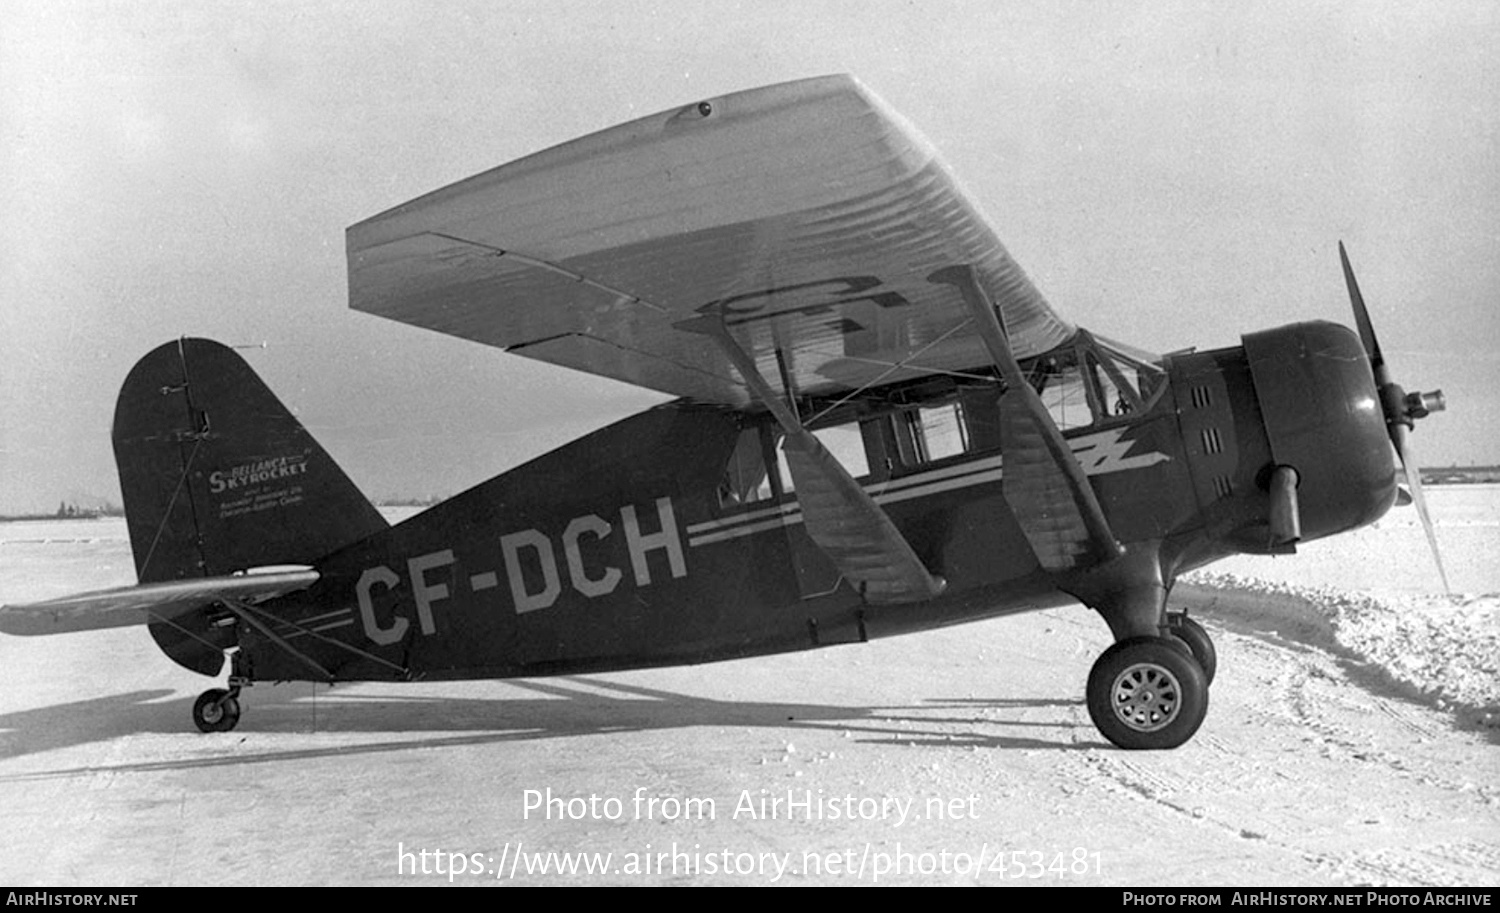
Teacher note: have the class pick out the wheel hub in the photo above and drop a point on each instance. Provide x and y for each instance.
(1146, 697)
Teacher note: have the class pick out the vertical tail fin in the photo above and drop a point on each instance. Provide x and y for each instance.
(218, 476)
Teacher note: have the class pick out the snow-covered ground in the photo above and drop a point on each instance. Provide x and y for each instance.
(1351, 740)
(1379, 594)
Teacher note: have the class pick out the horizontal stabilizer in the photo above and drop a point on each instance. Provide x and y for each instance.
(134, 605)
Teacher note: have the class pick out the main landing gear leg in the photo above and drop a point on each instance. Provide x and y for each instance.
(1148, 690)
(218, 710)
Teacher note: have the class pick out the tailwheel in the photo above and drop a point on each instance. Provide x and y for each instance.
(216, 710)
(1147, 693)
(1180, 626)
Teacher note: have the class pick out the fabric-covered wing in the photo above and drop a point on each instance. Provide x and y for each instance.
(137, 605)
(808, 214)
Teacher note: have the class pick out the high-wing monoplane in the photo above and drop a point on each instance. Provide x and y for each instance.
(880, 426)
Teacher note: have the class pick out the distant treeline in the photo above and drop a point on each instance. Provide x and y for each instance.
(1459, 475)
(428, 501)
(70, 511)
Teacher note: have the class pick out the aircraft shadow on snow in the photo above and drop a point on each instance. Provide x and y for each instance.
(568, 707)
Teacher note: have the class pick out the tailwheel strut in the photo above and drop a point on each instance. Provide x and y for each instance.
(218, 709)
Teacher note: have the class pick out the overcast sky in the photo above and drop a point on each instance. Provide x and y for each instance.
(1170, 174)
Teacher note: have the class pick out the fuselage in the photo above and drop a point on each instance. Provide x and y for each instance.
(673, 536)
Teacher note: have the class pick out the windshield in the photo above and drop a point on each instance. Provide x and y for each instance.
(1089, 380)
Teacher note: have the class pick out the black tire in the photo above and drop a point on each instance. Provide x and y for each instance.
(1147, 693)
(216, 710)
(1191, 633)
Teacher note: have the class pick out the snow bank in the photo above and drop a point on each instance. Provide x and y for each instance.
(1446, 649)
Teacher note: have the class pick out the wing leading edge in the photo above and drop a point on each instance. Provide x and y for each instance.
(807, 214)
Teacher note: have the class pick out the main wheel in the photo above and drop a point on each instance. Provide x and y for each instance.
(216, 710)
(1147, 693)
(1191, 633)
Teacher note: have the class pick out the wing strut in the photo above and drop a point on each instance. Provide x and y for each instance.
(243, 610)
(1043, 483)
(840, 517)
(248, 613)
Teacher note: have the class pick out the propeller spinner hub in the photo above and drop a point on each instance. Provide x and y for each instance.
(1402, 408)
(1420, 405)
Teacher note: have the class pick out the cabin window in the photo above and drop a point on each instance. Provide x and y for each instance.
(1129, 381)
(1092, 382)
(845, 442)
(912, 437)
(745, 478)
(1059, 382)
(902, 428)
(941, 430)
(981, 416)
(847, 446)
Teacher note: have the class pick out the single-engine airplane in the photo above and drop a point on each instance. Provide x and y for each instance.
(881, 426)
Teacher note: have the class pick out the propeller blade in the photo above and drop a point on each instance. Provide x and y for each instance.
(1414, 482)
(1362, 320)
(1401, 410)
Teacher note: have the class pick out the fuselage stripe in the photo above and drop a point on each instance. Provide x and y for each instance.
(795, 516)
(876, 490)
(325, 616)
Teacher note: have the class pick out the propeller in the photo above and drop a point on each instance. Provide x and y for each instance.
(1402, 409)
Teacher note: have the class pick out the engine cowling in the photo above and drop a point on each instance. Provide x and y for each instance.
(1323, 419)
(1284, 438)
